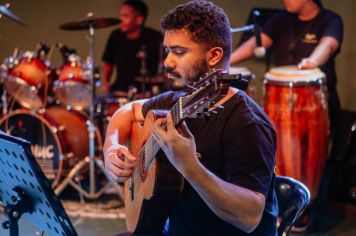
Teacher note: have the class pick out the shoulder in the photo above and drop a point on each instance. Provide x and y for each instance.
(245, 111)
(329, 15)
(281, 19)
(116, 34)
(281, 16)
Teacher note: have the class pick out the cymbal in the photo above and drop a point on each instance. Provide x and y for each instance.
(84, 24)
(4, 10)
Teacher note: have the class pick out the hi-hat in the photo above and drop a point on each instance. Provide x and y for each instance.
(4, 10)
(84, 24)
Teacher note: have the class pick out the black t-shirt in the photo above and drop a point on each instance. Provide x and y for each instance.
(294, 39)
(238, 145)
(123, 53)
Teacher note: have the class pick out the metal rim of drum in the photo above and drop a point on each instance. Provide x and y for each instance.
(49, 126)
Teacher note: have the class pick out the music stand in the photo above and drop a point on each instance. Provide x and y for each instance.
(26, 192)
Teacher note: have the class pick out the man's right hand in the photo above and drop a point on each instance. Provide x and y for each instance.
(120, 162)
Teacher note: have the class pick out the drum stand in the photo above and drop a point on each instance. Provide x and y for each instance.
(143, 71)
(91, 160)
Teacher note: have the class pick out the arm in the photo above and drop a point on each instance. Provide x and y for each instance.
(118, 160)
(246, 50)
(236, 205)
(107, 72)
(323, 51)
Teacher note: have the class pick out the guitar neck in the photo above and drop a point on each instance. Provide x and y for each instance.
(150, 149)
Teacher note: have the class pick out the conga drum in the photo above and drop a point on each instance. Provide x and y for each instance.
(248, 76)
(295, 100)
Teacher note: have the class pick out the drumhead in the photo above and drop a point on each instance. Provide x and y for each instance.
(240, 70)
(45, 144)
(286, 74)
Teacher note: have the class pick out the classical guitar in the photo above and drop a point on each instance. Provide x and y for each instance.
(155, 183)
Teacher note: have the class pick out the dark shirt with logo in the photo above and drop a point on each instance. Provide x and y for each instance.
(238, 145)
(294, 40)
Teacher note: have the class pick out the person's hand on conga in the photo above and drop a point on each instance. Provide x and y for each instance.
(307, 63)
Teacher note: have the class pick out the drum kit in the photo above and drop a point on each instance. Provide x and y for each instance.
(56, 110)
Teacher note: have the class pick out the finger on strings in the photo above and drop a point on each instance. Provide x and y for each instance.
(159, 131)
(184, 130)
(170, 123)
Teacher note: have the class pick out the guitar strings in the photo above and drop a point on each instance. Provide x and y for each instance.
(152, 147)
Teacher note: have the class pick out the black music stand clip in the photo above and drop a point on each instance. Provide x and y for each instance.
(26, 192)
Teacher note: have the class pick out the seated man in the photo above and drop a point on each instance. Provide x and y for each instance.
(227, 162)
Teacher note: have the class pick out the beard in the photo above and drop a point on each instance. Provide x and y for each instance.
(194, 73)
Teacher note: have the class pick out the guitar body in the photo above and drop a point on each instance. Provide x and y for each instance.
(148, 198)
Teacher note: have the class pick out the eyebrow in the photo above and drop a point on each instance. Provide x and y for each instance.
(175, 47)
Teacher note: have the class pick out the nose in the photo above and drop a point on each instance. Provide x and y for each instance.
(169, 61)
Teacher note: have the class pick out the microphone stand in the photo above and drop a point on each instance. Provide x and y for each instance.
(90, 160)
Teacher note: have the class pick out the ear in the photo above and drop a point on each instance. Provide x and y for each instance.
(214, 56)
(139, 20)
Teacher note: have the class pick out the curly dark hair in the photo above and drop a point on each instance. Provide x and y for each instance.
(207, 23)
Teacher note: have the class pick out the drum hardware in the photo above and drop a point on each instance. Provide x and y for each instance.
(143, 70)
(290, 95)
(90, 23)
(4, 10)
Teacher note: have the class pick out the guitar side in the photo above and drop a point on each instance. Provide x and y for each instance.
(148, 198)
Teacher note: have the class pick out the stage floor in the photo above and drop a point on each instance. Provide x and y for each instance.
(89, 226)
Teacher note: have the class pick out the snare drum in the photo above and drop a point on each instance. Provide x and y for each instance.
(295, 100)
(30, 81)
(59, 138)
(73, 85)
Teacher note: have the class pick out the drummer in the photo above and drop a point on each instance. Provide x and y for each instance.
(133, 49)
(304, 34)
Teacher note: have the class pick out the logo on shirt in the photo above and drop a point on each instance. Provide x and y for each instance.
(310, 38)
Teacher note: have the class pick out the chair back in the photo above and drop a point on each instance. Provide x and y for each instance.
(293, 197)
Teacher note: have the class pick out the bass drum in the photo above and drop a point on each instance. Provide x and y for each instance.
(59, 138)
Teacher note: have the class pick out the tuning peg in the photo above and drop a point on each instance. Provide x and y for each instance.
(200, 115)
(206, 116)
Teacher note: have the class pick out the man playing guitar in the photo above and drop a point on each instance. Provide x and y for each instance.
(225, 162)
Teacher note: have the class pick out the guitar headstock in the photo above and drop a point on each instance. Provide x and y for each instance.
(201, 96)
